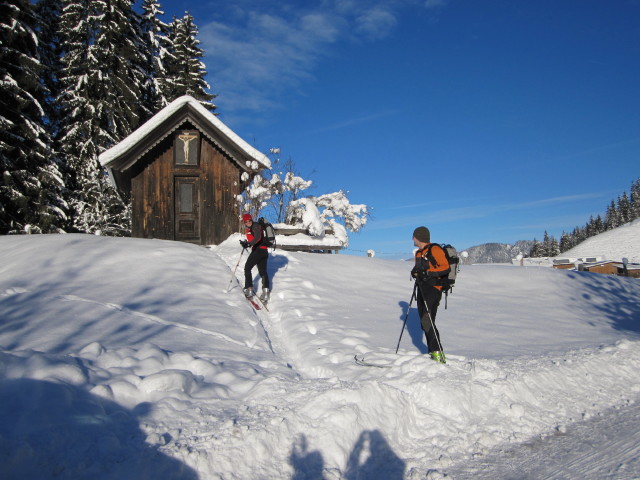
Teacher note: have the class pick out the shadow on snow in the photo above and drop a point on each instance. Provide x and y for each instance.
(615, 299)
(413, 326)
(51, 430)
(371, 458)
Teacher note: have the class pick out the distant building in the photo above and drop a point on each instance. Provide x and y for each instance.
(182, 171)
(598, 265)
(614, 268)
(570, 263)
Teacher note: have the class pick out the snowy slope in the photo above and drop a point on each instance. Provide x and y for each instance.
(128, 359)
(622, 242)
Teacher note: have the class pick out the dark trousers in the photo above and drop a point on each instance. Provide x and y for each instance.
(258, 257)
(430, 296)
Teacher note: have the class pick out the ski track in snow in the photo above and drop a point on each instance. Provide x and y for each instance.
(136, 314)
(591, 448)
(262, 315)
(291, 403)
(485, 374)
(488, 375)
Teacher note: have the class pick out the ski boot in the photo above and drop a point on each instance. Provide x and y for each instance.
(264, 297)
(438, 357)
(248, 292)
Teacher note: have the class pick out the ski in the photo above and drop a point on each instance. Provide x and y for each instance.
(263, 304)
(360, 360)
(255, 304)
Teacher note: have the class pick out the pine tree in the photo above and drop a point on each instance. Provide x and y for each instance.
(78, 131)
(624, 209)
(566, 242)
(157, 50)
(118, 49)
(548, 248)
(50, 53)
(30, 182)
(635, 199)
(593, 227)
(589, 227)
(545, 247)
(536, 250)
(553, 248)
(611, 217)
(599, 225)
(185, 70)
(76, 37)
(102, 78)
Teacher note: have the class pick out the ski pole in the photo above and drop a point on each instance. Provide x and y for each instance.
(234, 270)
(413, 295)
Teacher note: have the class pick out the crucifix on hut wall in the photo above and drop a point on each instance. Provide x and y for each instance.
(186, 149)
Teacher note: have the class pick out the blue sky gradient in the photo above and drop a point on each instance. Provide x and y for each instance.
(484, 120)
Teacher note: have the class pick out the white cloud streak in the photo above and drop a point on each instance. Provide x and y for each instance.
(474, 211)
(256, 52)
(357, 121)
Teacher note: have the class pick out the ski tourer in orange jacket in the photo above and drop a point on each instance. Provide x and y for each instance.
(431, 264)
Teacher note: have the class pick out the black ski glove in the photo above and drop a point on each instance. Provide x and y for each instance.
(244, 244)
(419, 274)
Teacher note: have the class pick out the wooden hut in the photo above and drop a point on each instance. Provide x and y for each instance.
(182, 171)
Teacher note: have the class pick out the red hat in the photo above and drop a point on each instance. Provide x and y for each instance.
(246, 217)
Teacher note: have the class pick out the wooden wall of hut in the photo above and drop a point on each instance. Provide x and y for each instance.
(187, 202)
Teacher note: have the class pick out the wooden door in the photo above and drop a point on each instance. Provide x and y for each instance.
(187, 209)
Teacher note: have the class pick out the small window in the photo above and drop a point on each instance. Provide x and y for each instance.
(186, 198)
(187, 147)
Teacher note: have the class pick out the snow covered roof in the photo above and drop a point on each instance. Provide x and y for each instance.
(301, 241)
(186, 108)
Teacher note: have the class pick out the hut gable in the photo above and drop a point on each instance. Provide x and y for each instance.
(181, 111)
(182, 171)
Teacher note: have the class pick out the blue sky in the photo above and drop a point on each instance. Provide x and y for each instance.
(484, 120)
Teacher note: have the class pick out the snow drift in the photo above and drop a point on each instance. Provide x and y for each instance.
(128, 358)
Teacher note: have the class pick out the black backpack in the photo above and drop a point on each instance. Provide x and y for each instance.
(268, 233)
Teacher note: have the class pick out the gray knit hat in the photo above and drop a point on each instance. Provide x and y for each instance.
(422, 234)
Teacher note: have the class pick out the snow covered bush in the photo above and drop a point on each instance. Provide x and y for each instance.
(273, 188)
(331, 210)
(282, 192)
(337, 205)
(256, 196)
(303, 212)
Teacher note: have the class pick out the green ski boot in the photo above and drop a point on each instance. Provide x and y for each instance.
(438, 357)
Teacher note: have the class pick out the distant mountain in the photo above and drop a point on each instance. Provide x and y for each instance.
(497, 252)
(621, 242)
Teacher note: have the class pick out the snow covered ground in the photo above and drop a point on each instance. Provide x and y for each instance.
(133, 359)
(622, 242)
